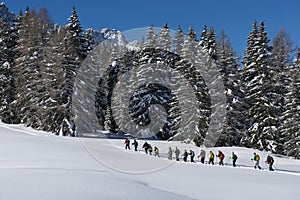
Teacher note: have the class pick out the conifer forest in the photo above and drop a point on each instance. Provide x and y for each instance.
(39, 61)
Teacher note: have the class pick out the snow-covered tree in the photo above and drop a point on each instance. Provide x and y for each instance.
(54, 78)
(208, 42)
(8, 38)
(30, 88)
(165, 38)
(108, 120)
(178, 41)
(249, 52)
(260, 95)
(234, 127)
(75, 50)
(142, 43)
(192, 34)
(282, 60)
(290, 128)
(151, 40)
(75, 30)
(89, 42)
(190, 46)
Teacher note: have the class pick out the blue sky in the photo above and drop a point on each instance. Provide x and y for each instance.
(235, 16)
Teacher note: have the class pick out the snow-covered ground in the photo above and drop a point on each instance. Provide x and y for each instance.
(37, 165)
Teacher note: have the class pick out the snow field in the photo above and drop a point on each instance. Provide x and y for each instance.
(37, 165)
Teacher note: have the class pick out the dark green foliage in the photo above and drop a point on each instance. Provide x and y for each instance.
(178, 41)
(151, 93)
(208, 42)
(234, 127)
(290, 128)
(8, 36)
(261, 95)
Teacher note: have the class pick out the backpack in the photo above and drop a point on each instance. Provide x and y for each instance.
(192, 153)
(271, 159)
(256, 158)
(221, 156)
(235, 157)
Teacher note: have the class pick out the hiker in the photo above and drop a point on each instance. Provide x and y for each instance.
(202, 156)
(192, 154)
(135, 144)
(185, 155)
(211, 157)
(170, 153)
(156, 151)
(177, 153)
(270, 161)
(150, 149)
(233, 158)
(146, 147)
(127, 143)
(221, 157)
(256, 159)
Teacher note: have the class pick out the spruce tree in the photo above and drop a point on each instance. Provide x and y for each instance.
(75, 31)
(190, 46)
(165, 38)
(291, 117)
(178, 41)
(260, 96)
(53, 116)
(203, 38)
(208, 42)
(282, 60)
(192, 34)
(30, 87)
(234, 127)
(75, 51)
(251, 48)
(8, 37)
(142, 43)
(151, 40)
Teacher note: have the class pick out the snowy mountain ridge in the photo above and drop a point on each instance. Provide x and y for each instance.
(109, 34)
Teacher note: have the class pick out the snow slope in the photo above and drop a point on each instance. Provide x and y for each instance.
(38, 165)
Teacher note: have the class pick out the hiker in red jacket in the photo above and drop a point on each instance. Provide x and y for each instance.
(270, 161)
(127, 143)
(221, 157)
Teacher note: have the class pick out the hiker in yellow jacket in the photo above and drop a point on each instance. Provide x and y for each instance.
(211, 157)
(256, 159)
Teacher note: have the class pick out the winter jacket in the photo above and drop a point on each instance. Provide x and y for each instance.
(202, 154)
(221, 155)
(269, 160)
(192, 153)
(177, 152)
(256, 157)
(234, 157)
